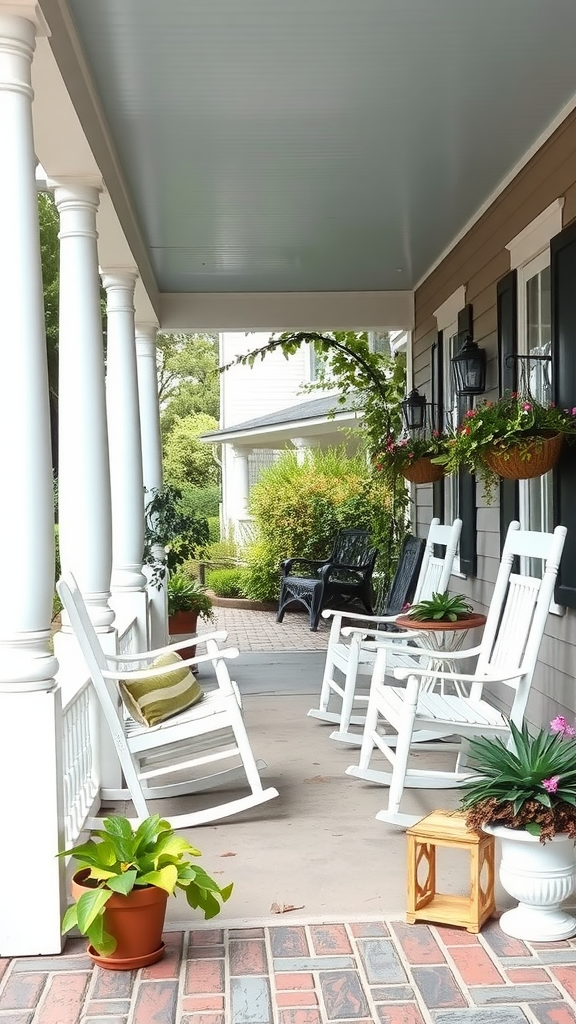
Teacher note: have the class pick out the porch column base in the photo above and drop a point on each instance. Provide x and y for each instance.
(31, 770)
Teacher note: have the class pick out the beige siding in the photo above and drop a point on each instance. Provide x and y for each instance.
(478, 261)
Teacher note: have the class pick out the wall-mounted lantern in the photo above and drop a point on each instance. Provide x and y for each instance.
(469, 368)
(414, 410)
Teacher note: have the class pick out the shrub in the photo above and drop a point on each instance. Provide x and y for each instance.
(299, 508)
(226, 582)
(213, 529)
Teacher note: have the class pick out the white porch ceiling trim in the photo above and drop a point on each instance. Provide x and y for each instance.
(539, 142)
(287, 311)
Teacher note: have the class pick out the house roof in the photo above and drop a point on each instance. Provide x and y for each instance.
(310, 419)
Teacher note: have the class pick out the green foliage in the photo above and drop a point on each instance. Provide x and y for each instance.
(531, 786)
(185, 594)
(511, 422)
(226, 582)
(169, 525)
(123, 859)
(186, 459)
(379, 381)
(400, 453)
(201, 501)
(299, 508)
(441, 608)
(188, 377)
(213, 529)
(56, 602)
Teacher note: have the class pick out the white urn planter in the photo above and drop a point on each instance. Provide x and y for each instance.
(540, 876)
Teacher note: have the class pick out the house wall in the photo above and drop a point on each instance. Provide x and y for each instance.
(250, 391)
(478, 261)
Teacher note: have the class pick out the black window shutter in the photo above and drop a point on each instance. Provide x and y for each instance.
(563, 294)
(507, 312)
(466, 481)
(437, 377)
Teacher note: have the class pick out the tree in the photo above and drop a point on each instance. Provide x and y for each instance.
(188, 378)
(186, 459)
(50, 256)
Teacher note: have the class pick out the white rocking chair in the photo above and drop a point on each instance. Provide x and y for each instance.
(507, 655)
(356, 656)
(192, 742)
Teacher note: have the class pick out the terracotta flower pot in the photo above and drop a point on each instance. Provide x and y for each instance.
(544, 454)
(423, 471)
(179, 625)
(136, 921)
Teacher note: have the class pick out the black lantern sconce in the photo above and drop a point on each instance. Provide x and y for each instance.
(470, 362)
(414, 410)
(470, 369)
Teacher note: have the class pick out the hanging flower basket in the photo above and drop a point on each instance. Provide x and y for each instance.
(423, 471)
(530, 458)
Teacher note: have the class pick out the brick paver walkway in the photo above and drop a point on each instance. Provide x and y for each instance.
(381, 972)
(259, 631)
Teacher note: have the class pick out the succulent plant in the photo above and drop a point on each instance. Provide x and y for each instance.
(441, 608)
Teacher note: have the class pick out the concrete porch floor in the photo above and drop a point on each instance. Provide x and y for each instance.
(343, 953)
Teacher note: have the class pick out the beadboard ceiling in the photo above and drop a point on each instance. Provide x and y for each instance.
(318, 145)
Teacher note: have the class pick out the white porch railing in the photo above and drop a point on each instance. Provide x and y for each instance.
(81, 727)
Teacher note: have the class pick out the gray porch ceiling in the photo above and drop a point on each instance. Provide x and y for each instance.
(316, 145)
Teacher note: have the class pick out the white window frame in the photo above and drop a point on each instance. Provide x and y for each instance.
(529, 255)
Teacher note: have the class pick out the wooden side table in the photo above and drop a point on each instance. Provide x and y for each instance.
(443, 828)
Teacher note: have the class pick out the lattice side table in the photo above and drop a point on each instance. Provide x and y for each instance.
(442, 828)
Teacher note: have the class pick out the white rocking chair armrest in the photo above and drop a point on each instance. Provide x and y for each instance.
(219, 635)
(499, 677)
(358, 616)
(163, 670)
(376, 634)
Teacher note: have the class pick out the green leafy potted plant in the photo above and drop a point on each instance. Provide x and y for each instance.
(524, 793)
(443, 607)
(172, 534)
(516, 438)
(187, 602)
(122, 887)
(411, 457)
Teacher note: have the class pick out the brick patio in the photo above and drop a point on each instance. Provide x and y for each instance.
(382, 972)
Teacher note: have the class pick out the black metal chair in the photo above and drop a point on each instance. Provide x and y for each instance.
(344, 577)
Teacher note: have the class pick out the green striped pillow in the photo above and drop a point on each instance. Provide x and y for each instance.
(153, 700)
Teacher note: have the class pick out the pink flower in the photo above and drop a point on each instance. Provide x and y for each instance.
(551, 785)
(526, 406)
(559, 724)
(574, 411)
(470, 414)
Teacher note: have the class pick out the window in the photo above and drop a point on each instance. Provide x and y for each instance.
(535, 377)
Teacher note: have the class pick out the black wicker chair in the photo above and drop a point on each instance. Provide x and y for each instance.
(344, 577)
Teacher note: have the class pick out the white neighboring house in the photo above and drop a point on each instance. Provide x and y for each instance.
(263, 411)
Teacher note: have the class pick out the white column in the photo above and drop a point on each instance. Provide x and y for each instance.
(151, 461)
(30, 707)
(302, 446)
(126, 476)
(85, 515)
(241, 481)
